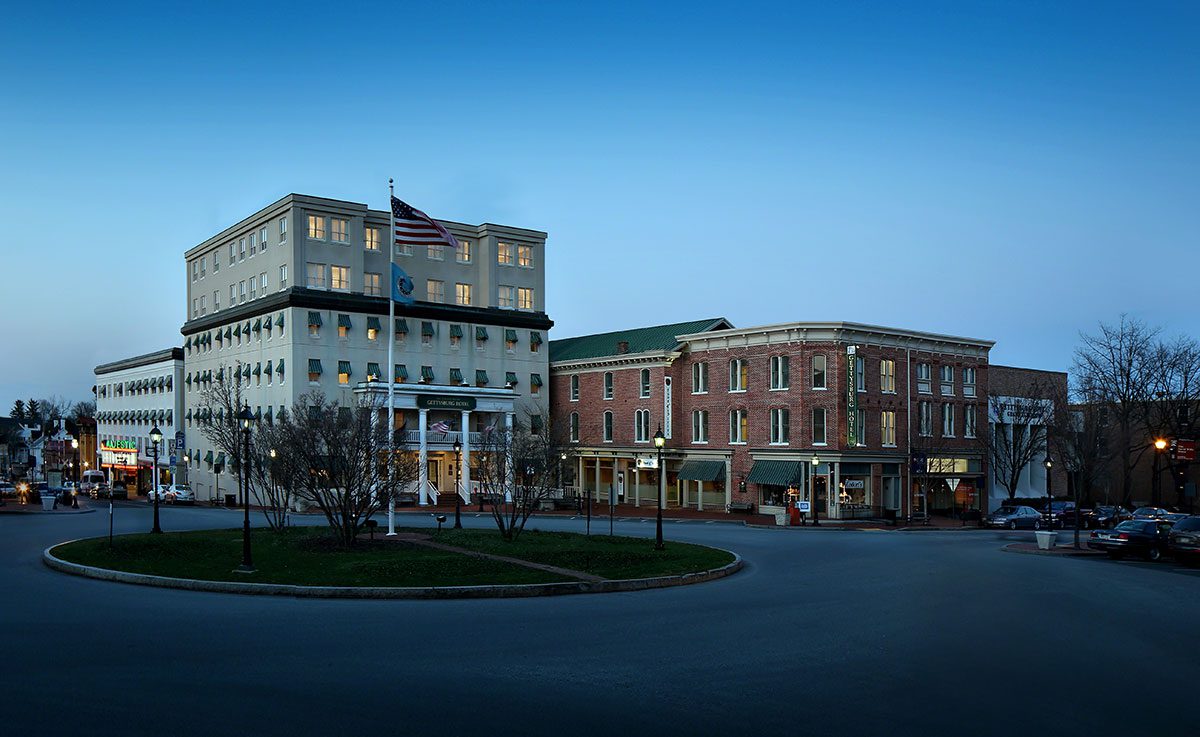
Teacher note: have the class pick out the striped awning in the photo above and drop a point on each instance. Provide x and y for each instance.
(481, 377)
(279, 320)
(401, 373)
(314, 365)
(401, 326)
(373, 323)
(456, 331)
(314, 319)
(775, 473)
(344, 321)
(373, 372)
(510, 335)
(702, 470)
(427, 328)
(456, 375)
(481, 333)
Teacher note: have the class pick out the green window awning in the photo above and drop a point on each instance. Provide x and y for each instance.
(314, 319)
(267, 369)
(510, 378)
(258, 325)
(246, 370)
(481, 333)
(481, 377)
(189, 414)
(270, 416)
(427, 328)
(456, 375)
(401, 326)
(702, 470)
(279, 320)
(188, 380)
(258, 369)
(400, 373)
(535, 338)
(220, 338)
(246, 329)
(510, 336)
(237, 330)
(775, 473)
(373, 323)
(228, 334)
(456, 331)
(314, 366)
(220, 460)
(258, 412)
(188, 343)
(279, 369)
(344, 321)
(427, 373)
(535, 379)
(373, 372)
(208, 457)
(344, 367)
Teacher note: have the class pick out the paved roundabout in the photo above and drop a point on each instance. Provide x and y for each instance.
(823, 632)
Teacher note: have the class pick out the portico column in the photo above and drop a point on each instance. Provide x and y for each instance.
(699, 496)
(510, 459)
(466, 454)
(637, 488)
(422, 459)
(596, 490)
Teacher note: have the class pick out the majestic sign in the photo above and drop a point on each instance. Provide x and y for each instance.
(119, 453)
(431, 401)
(852, 428)
(667, 407)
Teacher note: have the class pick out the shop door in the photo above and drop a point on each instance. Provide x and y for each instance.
(821, 491)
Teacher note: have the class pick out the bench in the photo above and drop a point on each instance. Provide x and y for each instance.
(745, 507)
(569, 503)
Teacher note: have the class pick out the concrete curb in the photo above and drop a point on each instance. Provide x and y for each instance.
(57, 512)
(1072, 554)
(391, 592)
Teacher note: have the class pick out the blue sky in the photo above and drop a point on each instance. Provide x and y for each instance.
(1012, 171)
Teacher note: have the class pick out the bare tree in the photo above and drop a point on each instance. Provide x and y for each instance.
(1017, 433)
(1113, 369)
(1174, 374)
(518, 471)
(337, 458)
(220, 402)
(85, 408)
(272, 478)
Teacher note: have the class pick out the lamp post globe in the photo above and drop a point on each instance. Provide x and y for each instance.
(660, 441)
(246, 420)
(75, 491)
(812, 490)
(156, 437)
(1049, 464)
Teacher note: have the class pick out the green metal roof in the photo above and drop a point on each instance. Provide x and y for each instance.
(640, 340)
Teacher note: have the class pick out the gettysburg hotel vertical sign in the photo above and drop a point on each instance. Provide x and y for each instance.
(852, 428)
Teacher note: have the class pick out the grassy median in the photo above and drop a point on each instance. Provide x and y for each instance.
(308, 556)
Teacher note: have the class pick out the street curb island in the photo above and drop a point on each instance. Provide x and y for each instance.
(391, 592)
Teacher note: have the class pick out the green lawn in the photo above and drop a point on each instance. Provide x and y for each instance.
(307, 556)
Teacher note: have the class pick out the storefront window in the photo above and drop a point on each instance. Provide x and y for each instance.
(773, 496)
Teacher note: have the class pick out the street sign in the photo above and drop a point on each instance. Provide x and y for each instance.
(953, 484)
(173, 461)
(805, 507)
(1185, 450)
(650, 462)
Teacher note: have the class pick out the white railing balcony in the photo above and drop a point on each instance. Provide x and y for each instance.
(413, 437)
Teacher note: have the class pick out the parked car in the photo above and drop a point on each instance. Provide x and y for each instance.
(91, 481)
(1184, 540)
(1175, 517)
(7, 489)
(174, 493)
(1150, 512)
(1016, 518)
(118, 491)
(1145, 537)
(1106, 517)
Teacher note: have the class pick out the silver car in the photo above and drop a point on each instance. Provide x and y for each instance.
(1016, 518)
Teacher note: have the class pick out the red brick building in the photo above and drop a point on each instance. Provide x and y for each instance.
(859, 420)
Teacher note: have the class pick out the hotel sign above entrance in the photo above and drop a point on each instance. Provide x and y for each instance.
(431, 401)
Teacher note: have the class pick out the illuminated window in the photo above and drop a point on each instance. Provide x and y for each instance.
(344, 326)
(504, 254)
(525, 256)
(435, 290)
(436, 253)
(339, 277)
(372, 238)
(343, 372)
(316, 227)
(403, 249)
(524, 298)
(887, 376)
(337, 230)
(462, 254)
(739, 426)
(462, 294)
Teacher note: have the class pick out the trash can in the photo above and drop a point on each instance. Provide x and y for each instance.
(231, 500)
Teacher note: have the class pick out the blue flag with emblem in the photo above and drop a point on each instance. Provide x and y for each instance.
(402, 286)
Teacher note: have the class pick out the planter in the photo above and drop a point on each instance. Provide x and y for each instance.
(1046, 539)
(781, 519)
(47, 502)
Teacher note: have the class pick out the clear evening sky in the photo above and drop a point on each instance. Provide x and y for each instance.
(1013, 171)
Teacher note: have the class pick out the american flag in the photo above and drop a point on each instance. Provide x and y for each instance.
(442, 427)
(415, 228)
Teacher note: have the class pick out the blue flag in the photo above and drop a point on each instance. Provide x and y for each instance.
(402, 286)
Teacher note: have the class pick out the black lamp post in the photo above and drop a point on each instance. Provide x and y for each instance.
(660, 440)
(1049, 464)
(457, 482)
(246, 418)
(812, 491)
(155, 438)
(75, 491)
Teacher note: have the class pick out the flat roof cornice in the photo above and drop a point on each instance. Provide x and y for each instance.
(833, 331)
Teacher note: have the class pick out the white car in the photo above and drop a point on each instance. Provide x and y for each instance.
(174, 493)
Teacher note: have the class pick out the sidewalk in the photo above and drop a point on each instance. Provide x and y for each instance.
(14, 507)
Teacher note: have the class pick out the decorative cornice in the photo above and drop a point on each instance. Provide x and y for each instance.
(146, 359)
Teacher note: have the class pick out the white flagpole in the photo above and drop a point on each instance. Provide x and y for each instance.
(391, 328)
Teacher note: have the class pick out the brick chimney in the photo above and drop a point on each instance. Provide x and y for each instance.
(622, 346)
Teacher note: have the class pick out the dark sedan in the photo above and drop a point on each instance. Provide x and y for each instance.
(1184, 540)
(1151, 512)
(1100, 517)
(1147, 538)
(1016, 518)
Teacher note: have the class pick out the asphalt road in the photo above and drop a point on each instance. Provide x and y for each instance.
(825, 632)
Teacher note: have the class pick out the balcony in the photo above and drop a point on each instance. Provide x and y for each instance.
(437, 439)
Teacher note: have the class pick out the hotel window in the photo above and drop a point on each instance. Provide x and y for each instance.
(203, 266)
(456, 335)
(314, 370)
(435, 253)
(535, 384)
(282, 230)
(700, 426)
(644, 384)
(203, 305)
(344, 326)
(818, 371)
(253, 243)
(435, 290)
(700, 378)
(343, 372)
(535, 341)
(510, 340)
(641, 426)
(262, 283)
(403, 249)
(780, 373)
(241, 249)
(504, 254)
(887, 376)
(232, 253)
(456, 377)
(887, 428)
(372, 284)
(195, 271)
(481, 337)
(373, 372)
(371, 238)
(216, 261)
(242, 291)
(924, 379)
(253, 287)
(506, 297)
(262, 238)
(861, 435)
(968, 382)
(217, 301)
(339, 277)
(462, 253)
(337, 230)
(316, 227)
(427, 333)
(947, 376)
(314, 324)
(574, 424)
(925, 419)
(860, 374)
(373, 328)
(947, 420)
(818, 426)
(739, 426)
(232, 295)
(462, 294)
(283, 277)
(780, 432)
(608, 427)
(739, 375)
(525, 256)
(316, 276)
(574, 387)
(524, 298)
(969, 421)
(608, 385)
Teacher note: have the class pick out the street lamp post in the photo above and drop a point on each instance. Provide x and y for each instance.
(457, 482)
(660, 440)
(812, 491)
(1049, 464)
(246, 417)
(155, 438)
(75, 491)
(1160, 445)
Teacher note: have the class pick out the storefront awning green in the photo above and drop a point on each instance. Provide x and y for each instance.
(702, 470)
(775, 473)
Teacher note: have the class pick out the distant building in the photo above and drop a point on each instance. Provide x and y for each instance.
(133, 396)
